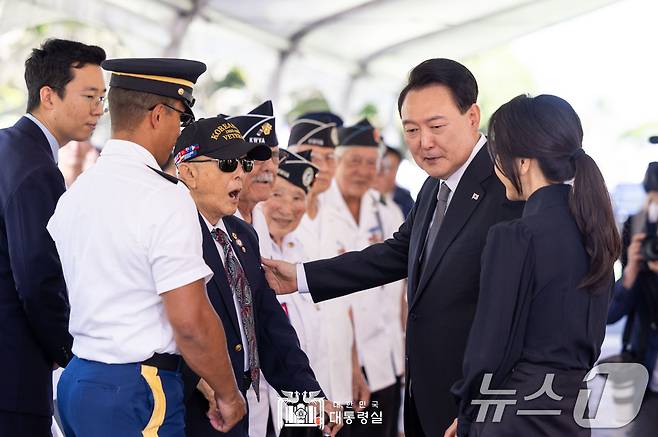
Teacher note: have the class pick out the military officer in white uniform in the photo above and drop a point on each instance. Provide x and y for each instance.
(130, 246)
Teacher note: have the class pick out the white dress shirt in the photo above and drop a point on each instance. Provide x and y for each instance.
(453, 180)
(259, 224)
(343, 233)
(258, 410)
(318, 240)
(304, 315)
(125, 235)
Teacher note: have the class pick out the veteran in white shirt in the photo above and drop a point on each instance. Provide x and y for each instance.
(353, 221)
(317, 133)
(283, 212)
(261, 340)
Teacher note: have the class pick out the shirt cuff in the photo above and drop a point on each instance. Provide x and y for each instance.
(302, 285)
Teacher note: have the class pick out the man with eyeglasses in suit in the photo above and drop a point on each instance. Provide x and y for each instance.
(65, 101)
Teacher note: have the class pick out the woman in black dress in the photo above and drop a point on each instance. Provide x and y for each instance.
(546, 277)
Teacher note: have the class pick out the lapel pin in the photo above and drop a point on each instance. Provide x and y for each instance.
(243, 249)
(238, 242)
(234, 235)
(475, 196)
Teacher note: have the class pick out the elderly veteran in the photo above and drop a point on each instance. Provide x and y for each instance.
(259, 335)
(283, 212)
(258, 127)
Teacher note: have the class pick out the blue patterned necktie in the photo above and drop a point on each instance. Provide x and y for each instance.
(240, 287)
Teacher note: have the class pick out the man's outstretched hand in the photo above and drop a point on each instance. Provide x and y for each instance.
(281, 275)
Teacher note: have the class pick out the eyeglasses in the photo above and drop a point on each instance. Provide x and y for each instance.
(95, 102)
(230, 165)
(186, 118)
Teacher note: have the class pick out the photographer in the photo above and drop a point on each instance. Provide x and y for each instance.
(636, 296)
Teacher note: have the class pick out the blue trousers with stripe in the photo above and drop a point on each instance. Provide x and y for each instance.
(129, 400)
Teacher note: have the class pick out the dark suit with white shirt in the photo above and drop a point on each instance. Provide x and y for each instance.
(442, 296)
(34, 309)
(282, 362)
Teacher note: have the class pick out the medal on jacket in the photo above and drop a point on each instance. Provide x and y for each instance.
(238, 241)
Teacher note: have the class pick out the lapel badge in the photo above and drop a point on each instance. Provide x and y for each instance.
(238, 242)
(475, 196)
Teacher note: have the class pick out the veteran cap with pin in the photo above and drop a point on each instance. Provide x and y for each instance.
(216, 138)
(168, 77)
(297, 168)
(361, 134)
(315, 129)
(257, 126)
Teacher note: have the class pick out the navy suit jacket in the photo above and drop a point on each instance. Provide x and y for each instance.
(443, 297)
(283, 363)
(34, 309)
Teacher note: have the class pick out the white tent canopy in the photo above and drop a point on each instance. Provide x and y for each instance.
(350, 50)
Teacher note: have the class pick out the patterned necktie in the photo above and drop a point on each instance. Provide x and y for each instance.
(240, 287)
(439, 213)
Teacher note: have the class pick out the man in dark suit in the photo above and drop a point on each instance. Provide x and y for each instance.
(386, 181)
(437, 248)
(258, 333)
(65, 94)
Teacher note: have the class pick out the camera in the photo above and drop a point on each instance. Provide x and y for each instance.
(649, 248)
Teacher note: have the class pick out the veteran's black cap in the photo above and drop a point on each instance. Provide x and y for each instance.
(169, 77)
(315, 129)
(361, 134)
(217, 138)
(297, 169)
(257, 126)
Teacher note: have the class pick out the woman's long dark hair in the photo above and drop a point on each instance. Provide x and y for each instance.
(546, 128)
